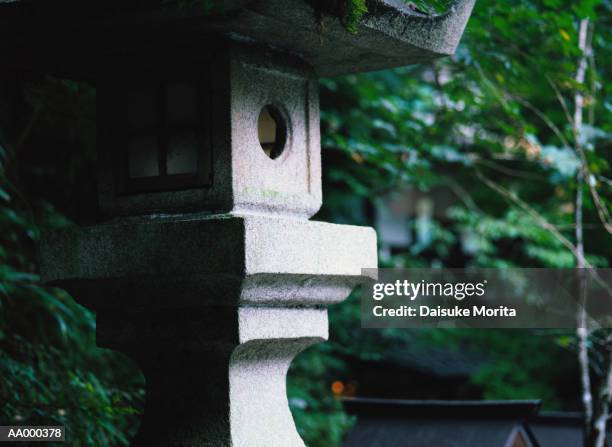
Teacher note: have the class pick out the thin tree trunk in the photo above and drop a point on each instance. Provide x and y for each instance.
(595, 412)
(582, 332)
(599, 424)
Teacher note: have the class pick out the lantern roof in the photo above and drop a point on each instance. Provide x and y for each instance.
(391, 34)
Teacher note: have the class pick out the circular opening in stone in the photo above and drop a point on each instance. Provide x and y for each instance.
(272, 131)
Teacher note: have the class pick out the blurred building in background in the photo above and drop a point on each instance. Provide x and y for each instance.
(406, 220)
(457, 423)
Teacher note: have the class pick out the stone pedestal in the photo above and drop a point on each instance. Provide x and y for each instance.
(213, 309)
(218, 378)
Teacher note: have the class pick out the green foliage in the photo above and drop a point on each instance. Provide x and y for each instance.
(519, 363)
(354, 10)
(481, 116)
(317, 411)
(51, 372)
(489, 126)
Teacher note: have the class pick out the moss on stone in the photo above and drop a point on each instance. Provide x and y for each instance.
(354, 10)
(351, 12)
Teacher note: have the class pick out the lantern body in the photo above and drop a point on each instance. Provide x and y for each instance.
(232, 130)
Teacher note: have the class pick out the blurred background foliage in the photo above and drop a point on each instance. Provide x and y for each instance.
(51, 372)
(488, 126)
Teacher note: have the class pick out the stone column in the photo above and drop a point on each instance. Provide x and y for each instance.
(215, 290)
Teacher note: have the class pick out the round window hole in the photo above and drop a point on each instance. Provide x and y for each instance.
(272, 131)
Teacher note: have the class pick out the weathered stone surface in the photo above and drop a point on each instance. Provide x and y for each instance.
(290, 183)
(225, 387)
(391, 35)
(213, 309)
(208, 260)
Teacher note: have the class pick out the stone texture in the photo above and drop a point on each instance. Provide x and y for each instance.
(391, 34)
(290, 183)
(208, 260)
(219, 377)
(213, 309)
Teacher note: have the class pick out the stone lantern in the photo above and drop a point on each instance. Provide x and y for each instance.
(204, 266)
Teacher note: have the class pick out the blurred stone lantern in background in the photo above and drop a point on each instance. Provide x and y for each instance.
(204, 267)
